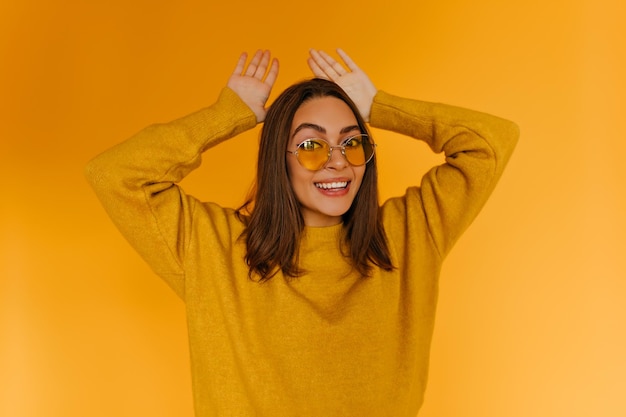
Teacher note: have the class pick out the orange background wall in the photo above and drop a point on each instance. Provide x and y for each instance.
(532, 311)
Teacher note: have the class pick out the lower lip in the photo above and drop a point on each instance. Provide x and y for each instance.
(337, 192)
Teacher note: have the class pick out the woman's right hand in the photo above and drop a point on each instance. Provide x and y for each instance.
(254, 83)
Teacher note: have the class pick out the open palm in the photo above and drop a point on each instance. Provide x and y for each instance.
(254, 83)
(354, 81)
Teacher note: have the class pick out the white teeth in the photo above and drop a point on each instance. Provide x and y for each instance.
(331, 185)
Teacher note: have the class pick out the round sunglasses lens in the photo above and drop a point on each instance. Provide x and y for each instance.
(358, 150)
(313, 154)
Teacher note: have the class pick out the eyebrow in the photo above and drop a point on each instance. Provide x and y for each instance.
(322, 129)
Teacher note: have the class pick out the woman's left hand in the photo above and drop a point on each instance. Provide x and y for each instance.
(353, 81)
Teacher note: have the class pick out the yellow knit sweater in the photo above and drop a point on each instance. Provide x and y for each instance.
(329, 343)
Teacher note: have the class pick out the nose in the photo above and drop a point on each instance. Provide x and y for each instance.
(336, 160)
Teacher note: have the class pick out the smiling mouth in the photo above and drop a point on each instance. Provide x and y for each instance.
(339, 185)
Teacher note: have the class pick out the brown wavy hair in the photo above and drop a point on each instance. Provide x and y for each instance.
(271, 213)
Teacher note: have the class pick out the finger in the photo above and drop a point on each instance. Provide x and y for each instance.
(252, 66)
(336, 66)
(317, 71)
(272, 74)
(347, 60)
(323, 65)
(262, 67)
(320, 59)
(241, 63)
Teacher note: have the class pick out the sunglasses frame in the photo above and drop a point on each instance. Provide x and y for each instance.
(331, 148)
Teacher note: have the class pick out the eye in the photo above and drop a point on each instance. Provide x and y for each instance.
(353, 142)
(310, 145)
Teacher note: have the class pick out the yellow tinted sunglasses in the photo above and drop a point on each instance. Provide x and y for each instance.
(314, 153)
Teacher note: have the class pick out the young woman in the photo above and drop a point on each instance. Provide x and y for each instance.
(311, 299)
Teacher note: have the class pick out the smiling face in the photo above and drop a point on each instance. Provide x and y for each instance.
(324, 195)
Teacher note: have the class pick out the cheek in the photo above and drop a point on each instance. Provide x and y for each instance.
(359, 173)
(298, 176)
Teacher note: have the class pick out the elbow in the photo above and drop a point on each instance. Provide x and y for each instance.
(514, 133)
(509, 132)
(505, 139)
(95, 173)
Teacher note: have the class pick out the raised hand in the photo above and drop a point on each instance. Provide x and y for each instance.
(353, 81)
(254, 83)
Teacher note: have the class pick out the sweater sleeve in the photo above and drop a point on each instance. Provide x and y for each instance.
(477, 147)
(136, 181)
